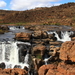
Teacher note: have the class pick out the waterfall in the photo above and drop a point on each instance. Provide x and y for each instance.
(16, 27)
(9, 54)
(47, 59)
(65, 36)
(26, 61)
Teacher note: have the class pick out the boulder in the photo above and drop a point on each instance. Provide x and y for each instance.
(39, 50)
(52, 37)
(60, 69)
(53, 50)
(67, 51)
(2, 65)
(73, 38)
(23, 36)
(40, 34)
(37, 63)
(58, 43)
(43, 70)
(15, 71)
(4, 27)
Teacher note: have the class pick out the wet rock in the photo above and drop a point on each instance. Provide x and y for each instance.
(73, 38)
(67, 51)
(41, 41)
(2, 65)
(30, 27)
(58, 43)
(17, 66)
(25, 68)
(39, 50)
(53, 50)
(23, 36)
(27, 27)
(40, 34)
(52, 37)
(38, 41)
(46, 41)
(3, 27)
(37, 63)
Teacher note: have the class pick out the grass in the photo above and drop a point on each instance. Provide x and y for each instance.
(39, 56)
(2, 31)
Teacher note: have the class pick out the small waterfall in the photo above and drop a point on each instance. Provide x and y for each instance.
(26, 60)
(9, 54)
(65, 36)
(47, 59)
(16, 27)
(14, 53)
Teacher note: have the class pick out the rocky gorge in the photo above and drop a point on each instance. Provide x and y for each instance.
(42, 50)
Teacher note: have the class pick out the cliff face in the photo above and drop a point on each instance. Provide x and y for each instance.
(58, 15)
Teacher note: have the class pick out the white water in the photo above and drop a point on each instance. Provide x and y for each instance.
(47, 59)
(16, 28)
(65, 36)
(10, 56)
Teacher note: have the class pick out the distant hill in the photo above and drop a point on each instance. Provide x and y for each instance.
(56, 15)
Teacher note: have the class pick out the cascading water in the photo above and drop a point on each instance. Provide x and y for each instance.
(9, 51)
(65, 36)
(47, 59)
(9, 54)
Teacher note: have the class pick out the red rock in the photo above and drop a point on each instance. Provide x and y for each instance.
(51, 72)
(23, 36)
(67, 51)
(39, 49)
(61, 69)
(39, 34)
(44, 69)
(66, 69)
(15, 71)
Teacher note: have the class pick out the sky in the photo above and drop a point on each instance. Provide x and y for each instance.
(29, 4)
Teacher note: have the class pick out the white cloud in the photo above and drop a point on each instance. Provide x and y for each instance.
(26, 4)
(2, 3)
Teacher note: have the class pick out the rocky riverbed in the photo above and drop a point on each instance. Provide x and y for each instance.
(42, 50)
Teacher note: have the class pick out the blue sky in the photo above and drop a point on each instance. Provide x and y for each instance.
(29, 4)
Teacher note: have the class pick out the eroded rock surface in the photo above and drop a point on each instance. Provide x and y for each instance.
(23, 36)
(67, 51)
(15, 71)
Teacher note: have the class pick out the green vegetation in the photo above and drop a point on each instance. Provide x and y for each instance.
(2, 31)
(39, 56)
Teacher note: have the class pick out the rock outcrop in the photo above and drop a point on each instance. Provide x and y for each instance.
(61, 69)
(40, 34)
(23, 36)
(67, 51)
(39, 50)
(43, 70)
(3, 29)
